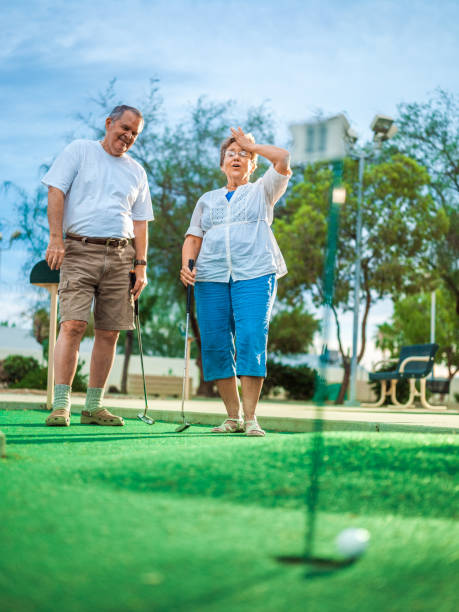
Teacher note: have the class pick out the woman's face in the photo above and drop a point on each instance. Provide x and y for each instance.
(237, 165)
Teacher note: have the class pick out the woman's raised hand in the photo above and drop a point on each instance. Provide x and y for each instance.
(242, 139)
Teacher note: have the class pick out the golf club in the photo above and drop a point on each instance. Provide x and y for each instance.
(143, 417)
(185, 424)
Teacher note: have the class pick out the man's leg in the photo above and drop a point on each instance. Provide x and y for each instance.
(66, 351)
(102, 358)
(65, 364)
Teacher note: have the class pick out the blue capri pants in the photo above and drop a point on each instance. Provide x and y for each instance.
(233, 321)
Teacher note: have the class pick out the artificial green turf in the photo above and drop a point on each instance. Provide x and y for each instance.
(142, 518)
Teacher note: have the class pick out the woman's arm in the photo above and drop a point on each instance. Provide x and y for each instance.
(190, 250)
(280, 158)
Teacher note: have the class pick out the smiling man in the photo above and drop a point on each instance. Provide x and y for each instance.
(98, 197)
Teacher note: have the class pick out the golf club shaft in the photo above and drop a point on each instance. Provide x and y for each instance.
(139, 336)
(132, 280)
(185, 368)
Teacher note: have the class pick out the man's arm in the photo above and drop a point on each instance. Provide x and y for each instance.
(141, 244)
(55, 251)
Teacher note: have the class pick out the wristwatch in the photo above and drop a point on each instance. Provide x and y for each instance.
(140, 262)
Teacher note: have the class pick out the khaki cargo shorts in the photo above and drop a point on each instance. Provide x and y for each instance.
(99, 273)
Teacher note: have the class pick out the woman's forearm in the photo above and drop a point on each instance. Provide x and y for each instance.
(280, 158)
(191, 248)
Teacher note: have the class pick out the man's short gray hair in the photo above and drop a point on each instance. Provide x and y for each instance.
(119, 110)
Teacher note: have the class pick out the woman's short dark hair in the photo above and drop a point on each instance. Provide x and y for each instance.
(229, 141)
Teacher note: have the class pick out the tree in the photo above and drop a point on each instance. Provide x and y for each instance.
(411, 325)
(32, 220)
(400, 223)
(429, 133)
(291, 331)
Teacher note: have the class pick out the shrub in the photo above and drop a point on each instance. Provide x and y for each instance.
(27, 373)
(18, 366)
(34, 379)
(298, 381)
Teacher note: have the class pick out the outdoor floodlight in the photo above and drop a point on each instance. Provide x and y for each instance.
(392, 131)
(383, 127)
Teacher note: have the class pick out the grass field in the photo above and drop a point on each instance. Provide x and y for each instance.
(142, 518)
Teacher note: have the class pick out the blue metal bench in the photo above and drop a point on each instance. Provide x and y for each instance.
(415, 363)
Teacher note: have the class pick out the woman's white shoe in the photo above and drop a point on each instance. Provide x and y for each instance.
(252, 428)
(229, 426)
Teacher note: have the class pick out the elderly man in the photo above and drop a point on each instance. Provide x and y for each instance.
(98, 196)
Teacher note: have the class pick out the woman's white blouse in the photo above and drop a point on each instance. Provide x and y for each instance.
(237, 238)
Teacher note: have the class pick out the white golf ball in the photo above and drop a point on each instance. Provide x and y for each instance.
(352, 542)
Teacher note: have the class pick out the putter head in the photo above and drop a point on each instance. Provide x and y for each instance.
(183, 426)
(145, 419)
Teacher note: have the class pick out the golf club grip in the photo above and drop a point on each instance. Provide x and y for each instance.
(189, 287)
(132, 280)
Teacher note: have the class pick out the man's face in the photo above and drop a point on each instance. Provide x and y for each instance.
(121, 134)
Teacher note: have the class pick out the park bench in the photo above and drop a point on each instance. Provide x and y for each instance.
(161, 386)
(414, 363)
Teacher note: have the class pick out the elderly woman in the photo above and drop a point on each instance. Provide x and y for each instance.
(238, 263)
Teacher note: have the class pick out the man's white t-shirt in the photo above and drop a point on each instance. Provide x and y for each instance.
(104, 194)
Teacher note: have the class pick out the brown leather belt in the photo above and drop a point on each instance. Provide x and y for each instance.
(114, 242)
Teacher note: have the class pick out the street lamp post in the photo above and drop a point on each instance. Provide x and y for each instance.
(383, 128)
(432, 322)
(355, 325)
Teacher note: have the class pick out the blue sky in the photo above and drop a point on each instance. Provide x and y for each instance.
(360, 57)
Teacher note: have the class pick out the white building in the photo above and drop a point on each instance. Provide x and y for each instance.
(319, 139)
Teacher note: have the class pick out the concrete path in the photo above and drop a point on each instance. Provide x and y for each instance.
(293, 417)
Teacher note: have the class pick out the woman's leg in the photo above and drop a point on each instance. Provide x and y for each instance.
(227, 387)
(252, 303)
(251, 389)
(216, 325)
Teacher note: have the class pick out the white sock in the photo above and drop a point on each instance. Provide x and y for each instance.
(94, 398)
(62, 397)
